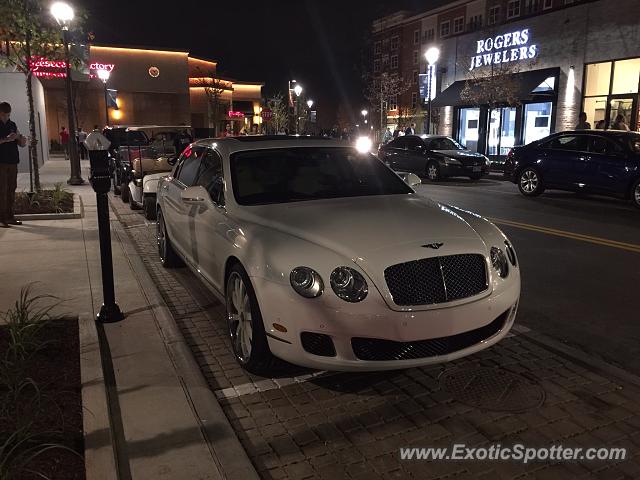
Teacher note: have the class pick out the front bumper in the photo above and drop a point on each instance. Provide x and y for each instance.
(462, 170)
(373, 320)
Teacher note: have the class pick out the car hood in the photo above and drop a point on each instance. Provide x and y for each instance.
(375, 231)
(462, 155)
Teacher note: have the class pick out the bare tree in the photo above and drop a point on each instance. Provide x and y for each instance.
(279, 113)
(27, 31)
(493, 86)
(380, 89)
(213, 90)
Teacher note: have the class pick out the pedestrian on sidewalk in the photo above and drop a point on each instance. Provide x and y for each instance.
(64, 141)
(82, 136)
(582, 122)
(10, 139)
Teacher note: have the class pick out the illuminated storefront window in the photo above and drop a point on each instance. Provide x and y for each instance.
(611, 94)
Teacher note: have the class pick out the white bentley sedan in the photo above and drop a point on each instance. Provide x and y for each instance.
(325, 258)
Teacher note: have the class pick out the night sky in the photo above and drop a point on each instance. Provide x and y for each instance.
(319, 43)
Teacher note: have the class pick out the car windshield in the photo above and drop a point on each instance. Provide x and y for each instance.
(309, 173)
(445, 143)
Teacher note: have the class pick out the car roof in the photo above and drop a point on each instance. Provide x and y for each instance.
(593, 131)
(231, 145)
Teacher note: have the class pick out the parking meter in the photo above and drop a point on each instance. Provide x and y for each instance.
(98, 148)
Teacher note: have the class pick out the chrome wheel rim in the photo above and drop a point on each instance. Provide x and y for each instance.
(239, 317)
(432, 172)
(529, 181)
(637, 194)
(161, 237)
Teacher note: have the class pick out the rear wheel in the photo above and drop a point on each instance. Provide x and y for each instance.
(530, 183)
(168, 256)
(149, 207)
(116, 185)
(124, 192)
(433, 171)
(244, 321)
(635, 193)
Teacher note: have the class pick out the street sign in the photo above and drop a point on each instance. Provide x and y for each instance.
(266, 113)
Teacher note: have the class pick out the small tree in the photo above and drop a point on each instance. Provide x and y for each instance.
(26, 31)
(380, 89)
(493, 86)
(279, 113)
(213, 90)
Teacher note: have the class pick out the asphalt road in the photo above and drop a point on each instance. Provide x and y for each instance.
(580, 260)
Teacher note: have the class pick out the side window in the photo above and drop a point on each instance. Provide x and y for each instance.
(576, 143)
(189, 165)
(414, 143)
(604, 147)
(400, 142)
(211, 178)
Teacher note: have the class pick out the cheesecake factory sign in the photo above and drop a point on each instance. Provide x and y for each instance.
(507, 47)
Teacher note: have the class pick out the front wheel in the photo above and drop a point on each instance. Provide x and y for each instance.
(168, 256)
(475, 176)
(635, 193)
(433, 171)
(245, 327)
(530, 183)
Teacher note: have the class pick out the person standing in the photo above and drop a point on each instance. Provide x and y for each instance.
(182, 141)
(411, 129)
(387, 136)
(582, 122)
(10, 139)
(82, 136)
(620, 123)
(64, 141)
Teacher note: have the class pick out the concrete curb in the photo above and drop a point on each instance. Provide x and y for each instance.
(78, 210)
(578, 356)
(99, 455)
(226, 450)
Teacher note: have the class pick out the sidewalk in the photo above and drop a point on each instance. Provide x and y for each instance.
(165, 420)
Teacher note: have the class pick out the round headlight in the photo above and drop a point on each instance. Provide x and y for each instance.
(348, 284)
(499, 262)
(306, 281)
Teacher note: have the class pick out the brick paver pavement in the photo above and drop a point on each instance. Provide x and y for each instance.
(302, 424)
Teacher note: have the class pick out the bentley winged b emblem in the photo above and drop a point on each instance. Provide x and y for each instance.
(435, 245)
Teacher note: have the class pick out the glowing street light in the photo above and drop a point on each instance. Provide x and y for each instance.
(104, 75)
(364, 114)
(309, 103)
(63, 13)
(431, 56)
(297, 89)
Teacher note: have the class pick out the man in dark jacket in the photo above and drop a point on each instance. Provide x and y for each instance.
(10, 138)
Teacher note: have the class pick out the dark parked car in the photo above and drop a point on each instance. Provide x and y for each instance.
(433, 156)
(126, 144)
(595, 161)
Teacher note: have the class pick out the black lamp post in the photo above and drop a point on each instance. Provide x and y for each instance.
(104, 76)
(63, 13)
(431, 56)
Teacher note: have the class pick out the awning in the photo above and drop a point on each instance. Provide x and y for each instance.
(526, 81)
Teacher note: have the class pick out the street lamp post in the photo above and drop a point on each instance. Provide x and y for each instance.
(431, 55)
(63, 13)
(309, 105)
(104, 76)
(297, 90)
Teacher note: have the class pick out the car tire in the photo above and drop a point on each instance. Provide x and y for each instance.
(116, 185)
(149, 207)
(635, 193)
(168, 256)
(433, 171)
(475, 177)
(124, 192)
(247, 335)
(133, 205)
(529, 182)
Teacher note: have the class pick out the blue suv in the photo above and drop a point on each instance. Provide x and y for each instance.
(593, 161)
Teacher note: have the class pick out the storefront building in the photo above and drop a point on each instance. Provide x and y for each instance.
(513, 71)
(148, 87)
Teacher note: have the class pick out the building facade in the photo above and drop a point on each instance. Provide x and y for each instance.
(513, 71)
(149, 87)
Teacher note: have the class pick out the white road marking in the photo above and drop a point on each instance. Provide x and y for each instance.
(267, 384)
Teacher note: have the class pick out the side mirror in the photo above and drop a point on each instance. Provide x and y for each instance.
(412, 180)
(195, 195)
(172, 160)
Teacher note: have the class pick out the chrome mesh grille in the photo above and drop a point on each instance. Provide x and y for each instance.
(437, 279)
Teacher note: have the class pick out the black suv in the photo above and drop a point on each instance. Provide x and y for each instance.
(433, 156)
(594, 161)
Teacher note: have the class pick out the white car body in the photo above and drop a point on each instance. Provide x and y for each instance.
(366, 233)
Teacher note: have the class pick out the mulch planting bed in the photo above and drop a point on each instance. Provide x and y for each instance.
(53, 411)
(43, 202)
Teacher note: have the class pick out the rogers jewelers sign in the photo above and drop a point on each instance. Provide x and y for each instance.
(508, 47)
